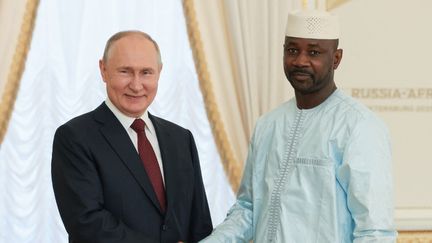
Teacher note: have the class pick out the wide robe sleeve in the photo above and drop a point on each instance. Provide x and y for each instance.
(238, 226)
(366, 176)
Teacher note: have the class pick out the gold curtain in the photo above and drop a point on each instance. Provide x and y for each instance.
(231, 165)
(234, 82)
(12, 74)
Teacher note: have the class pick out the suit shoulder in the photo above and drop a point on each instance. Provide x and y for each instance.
(81, 121)
(168, 125)
(79, 127)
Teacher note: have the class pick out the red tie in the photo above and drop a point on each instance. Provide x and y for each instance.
(149, 161)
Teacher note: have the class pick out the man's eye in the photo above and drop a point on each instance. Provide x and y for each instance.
(291, 51)
(124, 71)
(314, 53)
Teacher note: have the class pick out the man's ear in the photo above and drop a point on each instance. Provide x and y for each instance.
(102, 69)
(337, 58)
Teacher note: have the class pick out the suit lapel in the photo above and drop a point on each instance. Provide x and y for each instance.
(167, 149)
(120, 141)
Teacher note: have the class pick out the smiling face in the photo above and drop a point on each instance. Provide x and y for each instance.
(309, 64)
(131, 72)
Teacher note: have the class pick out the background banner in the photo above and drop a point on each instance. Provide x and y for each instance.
(387, 66)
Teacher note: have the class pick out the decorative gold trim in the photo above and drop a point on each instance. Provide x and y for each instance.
(331, 4)
(305, 4)
(231, 166)
(17, 66)
(415, 237)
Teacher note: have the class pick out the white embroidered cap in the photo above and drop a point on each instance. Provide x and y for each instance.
(312, 24)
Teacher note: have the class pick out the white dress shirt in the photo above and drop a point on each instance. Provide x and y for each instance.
(150, 131)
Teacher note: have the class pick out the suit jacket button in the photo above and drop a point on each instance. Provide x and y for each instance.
(164, 227)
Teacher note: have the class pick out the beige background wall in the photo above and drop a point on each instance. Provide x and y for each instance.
(387, 65)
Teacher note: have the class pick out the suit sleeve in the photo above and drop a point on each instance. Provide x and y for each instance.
(201, 224)
(366, 177)
(79, 193)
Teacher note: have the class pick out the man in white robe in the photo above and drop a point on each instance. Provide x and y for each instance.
(319, 165)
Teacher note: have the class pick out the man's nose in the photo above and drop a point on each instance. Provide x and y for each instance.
(136, 83)
(302, 60)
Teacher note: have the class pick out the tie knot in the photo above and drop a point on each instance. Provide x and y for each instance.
(138, 125)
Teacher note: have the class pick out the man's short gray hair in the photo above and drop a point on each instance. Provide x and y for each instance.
(117, 36)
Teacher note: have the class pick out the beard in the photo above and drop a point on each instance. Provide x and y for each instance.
(306, 82)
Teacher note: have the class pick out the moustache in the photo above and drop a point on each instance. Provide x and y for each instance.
(300, 71)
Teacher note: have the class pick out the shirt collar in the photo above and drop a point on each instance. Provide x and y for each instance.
(127, 121)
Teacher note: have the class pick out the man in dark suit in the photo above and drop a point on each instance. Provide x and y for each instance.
(121, 174)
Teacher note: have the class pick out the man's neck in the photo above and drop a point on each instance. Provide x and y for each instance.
(308, 101)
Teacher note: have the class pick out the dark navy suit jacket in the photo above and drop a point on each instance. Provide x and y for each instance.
(104, 194)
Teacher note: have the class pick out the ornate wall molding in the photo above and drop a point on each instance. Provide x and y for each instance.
(331, 4)
(415, 237)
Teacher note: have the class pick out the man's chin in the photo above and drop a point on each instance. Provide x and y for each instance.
(134, 110)
(301, 87)
(305, 90)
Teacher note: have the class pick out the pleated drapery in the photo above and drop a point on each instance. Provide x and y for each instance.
(237, 47)
(16, 22)
(61, 80)
(238, 55)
